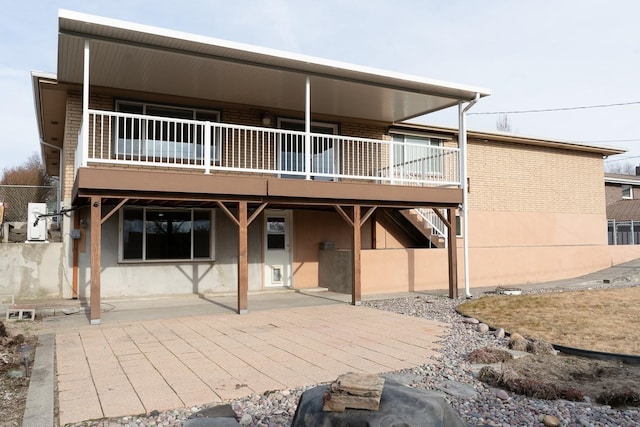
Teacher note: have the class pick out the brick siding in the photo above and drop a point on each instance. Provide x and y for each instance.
(518, 177)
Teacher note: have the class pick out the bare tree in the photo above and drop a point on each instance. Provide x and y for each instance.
(503, 123)
(31, 172)
(22, 184)
(627, 168)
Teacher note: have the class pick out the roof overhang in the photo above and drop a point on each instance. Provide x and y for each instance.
(621, 179)
(137, 57)
(512, 138)
(50, 102)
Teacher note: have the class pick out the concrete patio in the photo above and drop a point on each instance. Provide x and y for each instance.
(171, 353)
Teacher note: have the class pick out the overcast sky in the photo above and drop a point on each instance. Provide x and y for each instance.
(531, 55)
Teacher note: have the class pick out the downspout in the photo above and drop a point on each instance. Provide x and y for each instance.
(60, 157)
(462, 137)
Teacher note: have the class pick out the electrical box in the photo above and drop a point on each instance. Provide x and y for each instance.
(37, 225)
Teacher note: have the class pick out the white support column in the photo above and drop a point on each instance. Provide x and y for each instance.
(85, 106)
(207, 148)
(462, 142)
(307, 129)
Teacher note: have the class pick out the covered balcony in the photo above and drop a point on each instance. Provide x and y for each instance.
(146, 141)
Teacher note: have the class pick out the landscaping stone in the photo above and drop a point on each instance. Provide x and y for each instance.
(551, 421)
(502, 395)
(471, 320)
(482, 327)
(399, 405)
(499, 333)
(457, 389)
(518, 342)
(356, 391)
(246, 420)
(540, 347)
(220, 411)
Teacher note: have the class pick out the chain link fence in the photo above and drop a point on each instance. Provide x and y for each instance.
(14, 200)
(623, 232)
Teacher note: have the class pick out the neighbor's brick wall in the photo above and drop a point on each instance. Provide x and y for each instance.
(613, 192)
(517, 177)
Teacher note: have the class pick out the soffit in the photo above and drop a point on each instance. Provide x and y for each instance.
(142, 58)
(50, 100)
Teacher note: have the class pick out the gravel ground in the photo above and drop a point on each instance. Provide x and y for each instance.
(486, 408)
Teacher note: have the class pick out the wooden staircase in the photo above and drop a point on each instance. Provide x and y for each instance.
(424, 227)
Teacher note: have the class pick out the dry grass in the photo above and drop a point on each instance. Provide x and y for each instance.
(603, 320)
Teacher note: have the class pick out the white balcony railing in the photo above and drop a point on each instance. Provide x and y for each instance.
(133, 139)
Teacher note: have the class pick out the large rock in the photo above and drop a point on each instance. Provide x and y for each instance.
(399, 405)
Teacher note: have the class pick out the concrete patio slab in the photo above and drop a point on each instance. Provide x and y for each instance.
(128, 366)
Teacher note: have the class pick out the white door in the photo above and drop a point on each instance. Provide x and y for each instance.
(277, 248)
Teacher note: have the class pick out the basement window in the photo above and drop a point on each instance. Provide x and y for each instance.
(159, 234)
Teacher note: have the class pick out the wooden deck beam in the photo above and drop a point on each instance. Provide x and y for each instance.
(356, 288)
(243, 258)
(96, 245)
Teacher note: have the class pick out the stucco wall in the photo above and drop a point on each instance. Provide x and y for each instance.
(310, 228)
(31, 270)
(426, 269)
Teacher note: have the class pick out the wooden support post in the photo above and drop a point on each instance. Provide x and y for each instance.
(243, 258)
(96, 236)
(356, 298)
(75, 256)
(452, 250)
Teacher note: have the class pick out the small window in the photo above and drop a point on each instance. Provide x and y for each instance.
(152, 234)
(276, 233)
(627, 191)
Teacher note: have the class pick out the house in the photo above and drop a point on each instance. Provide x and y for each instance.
(623, 208)
(191, 164)
(195, 165)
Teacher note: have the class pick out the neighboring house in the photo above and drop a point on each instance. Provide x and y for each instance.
(623, 208)
(194, 165)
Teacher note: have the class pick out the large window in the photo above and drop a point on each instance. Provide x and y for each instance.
(417, 156)
(164, 138)
(152, 234)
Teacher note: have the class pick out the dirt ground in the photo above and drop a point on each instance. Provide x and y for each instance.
(13, 391)
(606, 382)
